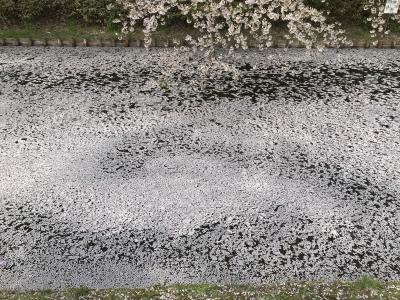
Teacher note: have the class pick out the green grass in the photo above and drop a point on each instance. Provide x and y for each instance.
(73, 30)
(367, 282)
(78, 31)
(55, 31)
(77, 293)
(363, 288)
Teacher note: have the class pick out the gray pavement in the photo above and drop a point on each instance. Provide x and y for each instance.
(106, 180)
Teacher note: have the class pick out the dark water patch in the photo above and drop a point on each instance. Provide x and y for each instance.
(295, 82)
(74, 81)
(289, 161)
(244, 244)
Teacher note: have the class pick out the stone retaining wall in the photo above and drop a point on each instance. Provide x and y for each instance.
(157, 43)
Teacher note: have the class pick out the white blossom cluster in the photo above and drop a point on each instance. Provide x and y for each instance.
(238, 24)
(378, 19)
(234, 24)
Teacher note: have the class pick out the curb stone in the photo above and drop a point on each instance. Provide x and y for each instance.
(159, 43)
(11, 42)
(39, 43)
(27, 42)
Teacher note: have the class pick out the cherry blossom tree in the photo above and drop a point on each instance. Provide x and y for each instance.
(234, 24)
(237, 24)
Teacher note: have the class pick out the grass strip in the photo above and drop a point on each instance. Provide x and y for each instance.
(73, 30)
(363, 288)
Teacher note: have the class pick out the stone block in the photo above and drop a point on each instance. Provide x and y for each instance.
(12, 42)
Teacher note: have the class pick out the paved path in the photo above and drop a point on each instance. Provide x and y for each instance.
(291, 172)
